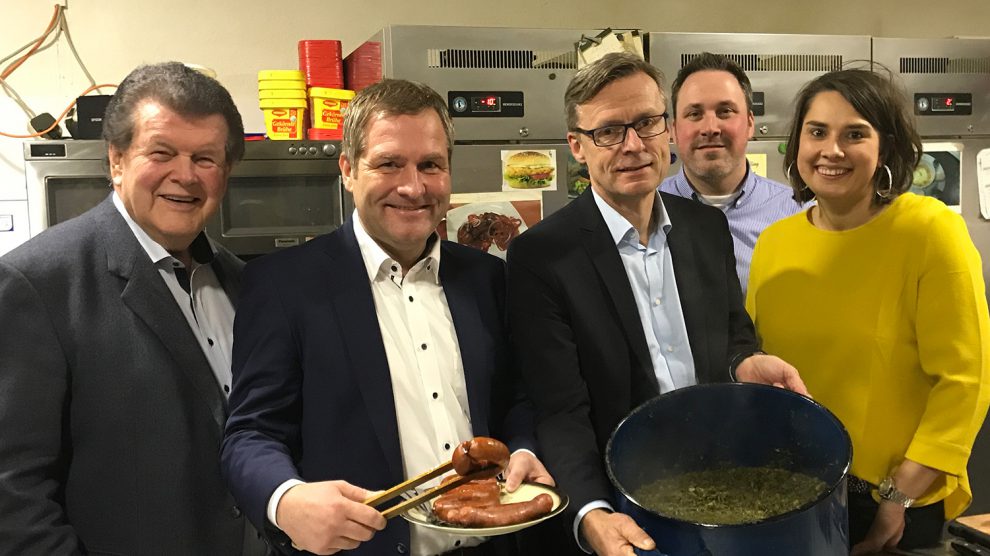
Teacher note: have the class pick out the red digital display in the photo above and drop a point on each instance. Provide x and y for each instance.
(487, 103)
(943, 104)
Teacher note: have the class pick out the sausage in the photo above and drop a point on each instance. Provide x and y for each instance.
(478, 453)
(500, 515)
(475, 493)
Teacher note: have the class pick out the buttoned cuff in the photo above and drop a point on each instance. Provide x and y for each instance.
(580, 515)
(277, 496)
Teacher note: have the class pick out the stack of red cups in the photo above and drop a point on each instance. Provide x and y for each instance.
(320, 61)
(363, 67)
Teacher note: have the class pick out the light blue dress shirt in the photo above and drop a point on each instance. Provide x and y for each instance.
(650, 270)
(760, 202)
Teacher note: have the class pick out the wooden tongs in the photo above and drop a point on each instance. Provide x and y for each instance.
(430, 494)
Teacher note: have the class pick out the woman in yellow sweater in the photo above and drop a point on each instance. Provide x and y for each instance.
(877, 297)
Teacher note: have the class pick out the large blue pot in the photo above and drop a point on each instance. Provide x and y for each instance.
(713, 425)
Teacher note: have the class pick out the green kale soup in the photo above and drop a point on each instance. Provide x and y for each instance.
(730, 496)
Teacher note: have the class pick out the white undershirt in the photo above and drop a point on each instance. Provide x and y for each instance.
(206, 306)
(424, 359)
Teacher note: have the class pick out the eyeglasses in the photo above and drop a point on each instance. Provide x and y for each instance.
(609, 135)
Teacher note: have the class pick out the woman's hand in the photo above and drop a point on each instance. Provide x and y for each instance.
(771, 370)
(886, 531)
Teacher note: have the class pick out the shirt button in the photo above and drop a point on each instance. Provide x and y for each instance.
(210, 341)
(436, 395)
(422, 346)
(394, 268)
(446, 446)
(226, 388)
(457, 543)
(410, 298)
(670, 349)
(401, 548)
(657, 301)
(235, 512)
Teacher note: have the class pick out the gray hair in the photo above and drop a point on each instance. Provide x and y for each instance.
(591, 79)
(179, 88)
(390, 97)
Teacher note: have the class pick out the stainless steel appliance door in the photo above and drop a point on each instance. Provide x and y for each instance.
(64, 179)
(271, 204)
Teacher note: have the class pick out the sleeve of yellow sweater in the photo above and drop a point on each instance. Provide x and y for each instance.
(953, 331)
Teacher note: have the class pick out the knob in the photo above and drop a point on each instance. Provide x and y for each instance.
(764, 130)
(524, 131)
(922, 104)
(329, 149)
(312, 150)
(292, 150)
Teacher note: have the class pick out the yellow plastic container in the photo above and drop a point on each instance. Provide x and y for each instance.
(285, 118)
(275, 84)
(281, 75)
(327, 107)
(265, 94)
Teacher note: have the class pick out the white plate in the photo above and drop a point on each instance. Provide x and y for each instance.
(456, 217)
(526, 491)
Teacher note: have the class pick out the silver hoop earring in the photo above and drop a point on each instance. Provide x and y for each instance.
(790, 177)
(888, 192)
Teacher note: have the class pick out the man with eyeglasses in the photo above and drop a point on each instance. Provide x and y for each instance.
(712, 123)
(622, 295)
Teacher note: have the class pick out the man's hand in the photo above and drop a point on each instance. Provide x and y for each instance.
(327, 517)
(772, 370)
(613, 534)
(886, 531)
(524, 466)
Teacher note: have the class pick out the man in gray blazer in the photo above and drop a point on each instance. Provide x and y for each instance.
(116, 351)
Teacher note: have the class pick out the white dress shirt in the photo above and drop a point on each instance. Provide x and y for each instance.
(206, 306)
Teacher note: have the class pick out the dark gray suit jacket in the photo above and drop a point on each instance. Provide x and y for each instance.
(111, 417)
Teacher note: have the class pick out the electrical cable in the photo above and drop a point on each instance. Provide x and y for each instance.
(59, 24)
(51, 25)
(64, 27)
(57, 120)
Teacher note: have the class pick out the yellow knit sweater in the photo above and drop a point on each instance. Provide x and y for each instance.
(889, 327)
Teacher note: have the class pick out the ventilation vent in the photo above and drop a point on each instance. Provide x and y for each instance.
(779, 62)
(945, 65)
(501, 59)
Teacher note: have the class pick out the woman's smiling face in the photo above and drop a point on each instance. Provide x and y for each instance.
(839, 151)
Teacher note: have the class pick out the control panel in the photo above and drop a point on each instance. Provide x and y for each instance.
(485, 104)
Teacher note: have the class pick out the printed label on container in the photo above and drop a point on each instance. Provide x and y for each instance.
(288, 126)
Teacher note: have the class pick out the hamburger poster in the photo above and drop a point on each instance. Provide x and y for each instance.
(529, 169)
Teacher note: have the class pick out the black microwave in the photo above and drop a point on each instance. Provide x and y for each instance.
(281, 194)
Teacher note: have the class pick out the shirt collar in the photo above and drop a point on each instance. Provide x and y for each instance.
(684, 188)
(621, 229)
(378, 263)
(201, 248)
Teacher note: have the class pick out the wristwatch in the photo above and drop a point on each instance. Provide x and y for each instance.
(888, 491)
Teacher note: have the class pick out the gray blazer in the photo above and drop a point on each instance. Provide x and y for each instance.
(111, 417)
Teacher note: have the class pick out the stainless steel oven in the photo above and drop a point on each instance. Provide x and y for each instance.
(282, 194)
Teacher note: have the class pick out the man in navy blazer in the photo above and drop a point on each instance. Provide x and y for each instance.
(363, 357)
(622, 295)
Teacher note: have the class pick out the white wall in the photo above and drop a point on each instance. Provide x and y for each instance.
(239, 38)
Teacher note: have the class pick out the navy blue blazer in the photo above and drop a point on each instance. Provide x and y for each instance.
(312, 394)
